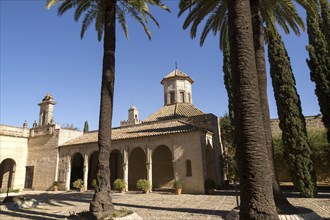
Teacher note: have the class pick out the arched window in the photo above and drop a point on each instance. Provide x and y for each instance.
(188, 168)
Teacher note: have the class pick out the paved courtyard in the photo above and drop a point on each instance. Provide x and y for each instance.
(156, 205)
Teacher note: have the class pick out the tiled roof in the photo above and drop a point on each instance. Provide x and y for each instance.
(177, 73)
(174, 111)
(141, 130)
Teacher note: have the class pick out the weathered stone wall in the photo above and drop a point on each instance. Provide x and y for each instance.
(211, 123)
(43, 152)
(311, 122)
(14, 145)
(11, 131)
(321, 165)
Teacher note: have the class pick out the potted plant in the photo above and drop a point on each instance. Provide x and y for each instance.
(209, 186)
(177, 185)
(120, 185)
(55, 185)
(143, 185)
(78, 184)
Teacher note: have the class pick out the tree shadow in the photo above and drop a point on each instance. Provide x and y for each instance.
(222, 213)
(44, 200)
(31, 214)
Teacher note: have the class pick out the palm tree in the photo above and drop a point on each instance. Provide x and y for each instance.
(287, 17)
(255, 175)
(105, 13)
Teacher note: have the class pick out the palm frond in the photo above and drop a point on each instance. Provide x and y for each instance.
(99, 24)
(51, 3)
(81, 8)
(215, 21)
(223, 33)
(66, 5)
(122, 21)
(88, 19)
(137, 17)
(184, 5)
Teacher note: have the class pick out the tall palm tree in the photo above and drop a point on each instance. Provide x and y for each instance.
(105, 13)
(255, 177)
(286, 16)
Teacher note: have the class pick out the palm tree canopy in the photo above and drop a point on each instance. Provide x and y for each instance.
(93, 11)
(284, 12)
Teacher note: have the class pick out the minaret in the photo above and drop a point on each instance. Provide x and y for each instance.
(177, 88)
(46, 110)
(133, 117)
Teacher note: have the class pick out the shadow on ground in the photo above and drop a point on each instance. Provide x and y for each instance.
(221, 213)
(31, 214)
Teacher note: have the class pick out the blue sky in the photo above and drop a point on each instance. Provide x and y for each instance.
(41, 52)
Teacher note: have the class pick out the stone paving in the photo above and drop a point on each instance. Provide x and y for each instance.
(156, 205)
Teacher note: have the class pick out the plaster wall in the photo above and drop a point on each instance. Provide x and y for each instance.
(183, 146)
(15, 148)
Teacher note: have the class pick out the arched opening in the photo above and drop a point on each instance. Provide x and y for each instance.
(162, 167)
(210, 163)
(7, 173)
(136, 167)
(116, 166)
(77, 168)
(92, 169)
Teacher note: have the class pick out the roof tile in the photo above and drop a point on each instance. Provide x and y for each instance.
(136, 131)
(174, 111)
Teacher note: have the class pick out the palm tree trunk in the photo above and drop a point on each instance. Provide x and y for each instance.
(282, 204)
(101, 204)
(257, 200)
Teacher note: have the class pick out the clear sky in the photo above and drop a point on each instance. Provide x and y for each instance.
(41, 52)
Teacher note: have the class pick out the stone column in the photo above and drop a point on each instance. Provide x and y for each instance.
(68, 172)
(149, 165)
(85, 171)
(125, 168)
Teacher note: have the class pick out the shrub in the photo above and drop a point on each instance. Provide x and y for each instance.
(227, 137)
(177, 184)
(320, 153)
(119, 184)
(94, 183)
(78, 184)
(143, 185)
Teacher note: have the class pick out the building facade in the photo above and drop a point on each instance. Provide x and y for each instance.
(178, 141)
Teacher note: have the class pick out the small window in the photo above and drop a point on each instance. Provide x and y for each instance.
(189, 98)
(172, 97)
(188, 168)
(181, 96)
